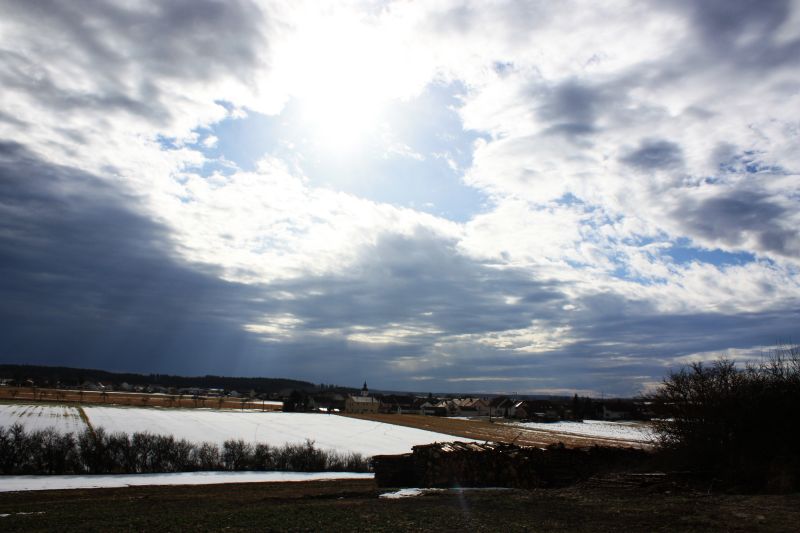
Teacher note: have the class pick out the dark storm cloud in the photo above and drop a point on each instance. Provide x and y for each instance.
(610, 325)
(743, 31)
(87, 281)
(572, 108)
(734, 217)
(654, 154)
(620, 344)
(127, 51)
(650, 344)
(422, 279)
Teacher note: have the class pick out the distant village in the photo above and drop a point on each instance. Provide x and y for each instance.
(538, 410)
(331, 399)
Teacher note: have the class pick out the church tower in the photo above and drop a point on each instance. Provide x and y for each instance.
(364, 390)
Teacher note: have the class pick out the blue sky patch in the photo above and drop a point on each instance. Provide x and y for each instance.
(416, 159)
(683, 253)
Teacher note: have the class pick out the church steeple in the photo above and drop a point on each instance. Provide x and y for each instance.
(364, 389)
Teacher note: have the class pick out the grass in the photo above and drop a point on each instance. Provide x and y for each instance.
(354, 505)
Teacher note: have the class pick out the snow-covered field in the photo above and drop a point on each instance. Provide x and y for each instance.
(627, 431)
(328, 432)
(22, 483)
(35, 417)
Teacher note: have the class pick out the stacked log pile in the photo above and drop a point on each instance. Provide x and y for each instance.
(469, 464)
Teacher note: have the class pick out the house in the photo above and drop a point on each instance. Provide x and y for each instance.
(501, 407)
(90, 386)
(427, 407)
(446, 408)
(472, 406)
(436, 407)
(399, 404)
(538, 410)
(363, 403)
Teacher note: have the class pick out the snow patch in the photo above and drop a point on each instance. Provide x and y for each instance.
(639, 432)
(408, 493)
(411, 492)
(26, 483)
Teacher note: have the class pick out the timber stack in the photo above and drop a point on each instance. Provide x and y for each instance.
(472, 464)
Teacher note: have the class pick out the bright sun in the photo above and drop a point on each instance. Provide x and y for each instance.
(344, 73)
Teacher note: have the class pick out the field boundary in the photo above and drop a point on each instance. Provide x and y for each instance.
(86, 420)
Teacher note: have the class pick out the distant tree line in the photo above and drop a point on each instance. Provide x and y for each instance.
(584, 407)
(51, 375)
(98, 452)
(734, 424)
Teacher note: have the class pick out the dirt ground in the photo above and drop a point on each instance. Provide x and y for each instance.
(355, 505)
(495, 431)
(138, 399)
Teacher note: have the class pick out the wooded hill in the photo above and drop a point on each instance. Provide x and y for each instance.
(52, 376)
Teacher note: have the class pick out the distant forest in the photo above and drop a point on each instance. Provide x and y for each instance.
(73, 377)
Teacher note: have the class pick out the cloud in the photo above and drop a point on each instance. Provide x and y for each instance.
(87, 281)
(654, 154)
(741, 219)
(746, 33)
(603, 136)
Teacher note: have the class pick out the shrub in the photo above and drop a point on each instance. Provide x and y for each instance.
(236, 455)
(734, 423)
(206, 456)
(263, 457)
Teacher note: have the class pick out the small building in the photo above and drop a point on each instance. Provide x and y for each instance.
(91, 386)
(501, 407)
(399, 404)
(363, 403)
(537, 410)
(445, 407)
(472, 406)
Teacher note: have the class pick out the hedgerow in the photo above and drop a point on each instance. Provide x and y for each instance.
(98, 452)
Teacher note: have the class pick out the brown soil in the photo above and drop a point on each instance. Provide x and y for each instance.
(495, 431)
(138, 399)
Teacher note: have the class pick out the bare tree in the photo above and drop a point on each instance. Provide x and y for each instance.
(728, 421)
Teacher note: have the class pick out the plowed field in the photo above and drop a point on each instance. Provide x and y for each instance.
(498, 431)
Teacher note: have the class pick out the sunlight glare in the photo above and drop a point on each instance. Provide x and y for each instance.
(344, 73)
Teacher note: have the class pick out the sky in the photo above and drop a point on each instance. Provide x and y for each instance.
(502, 197)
